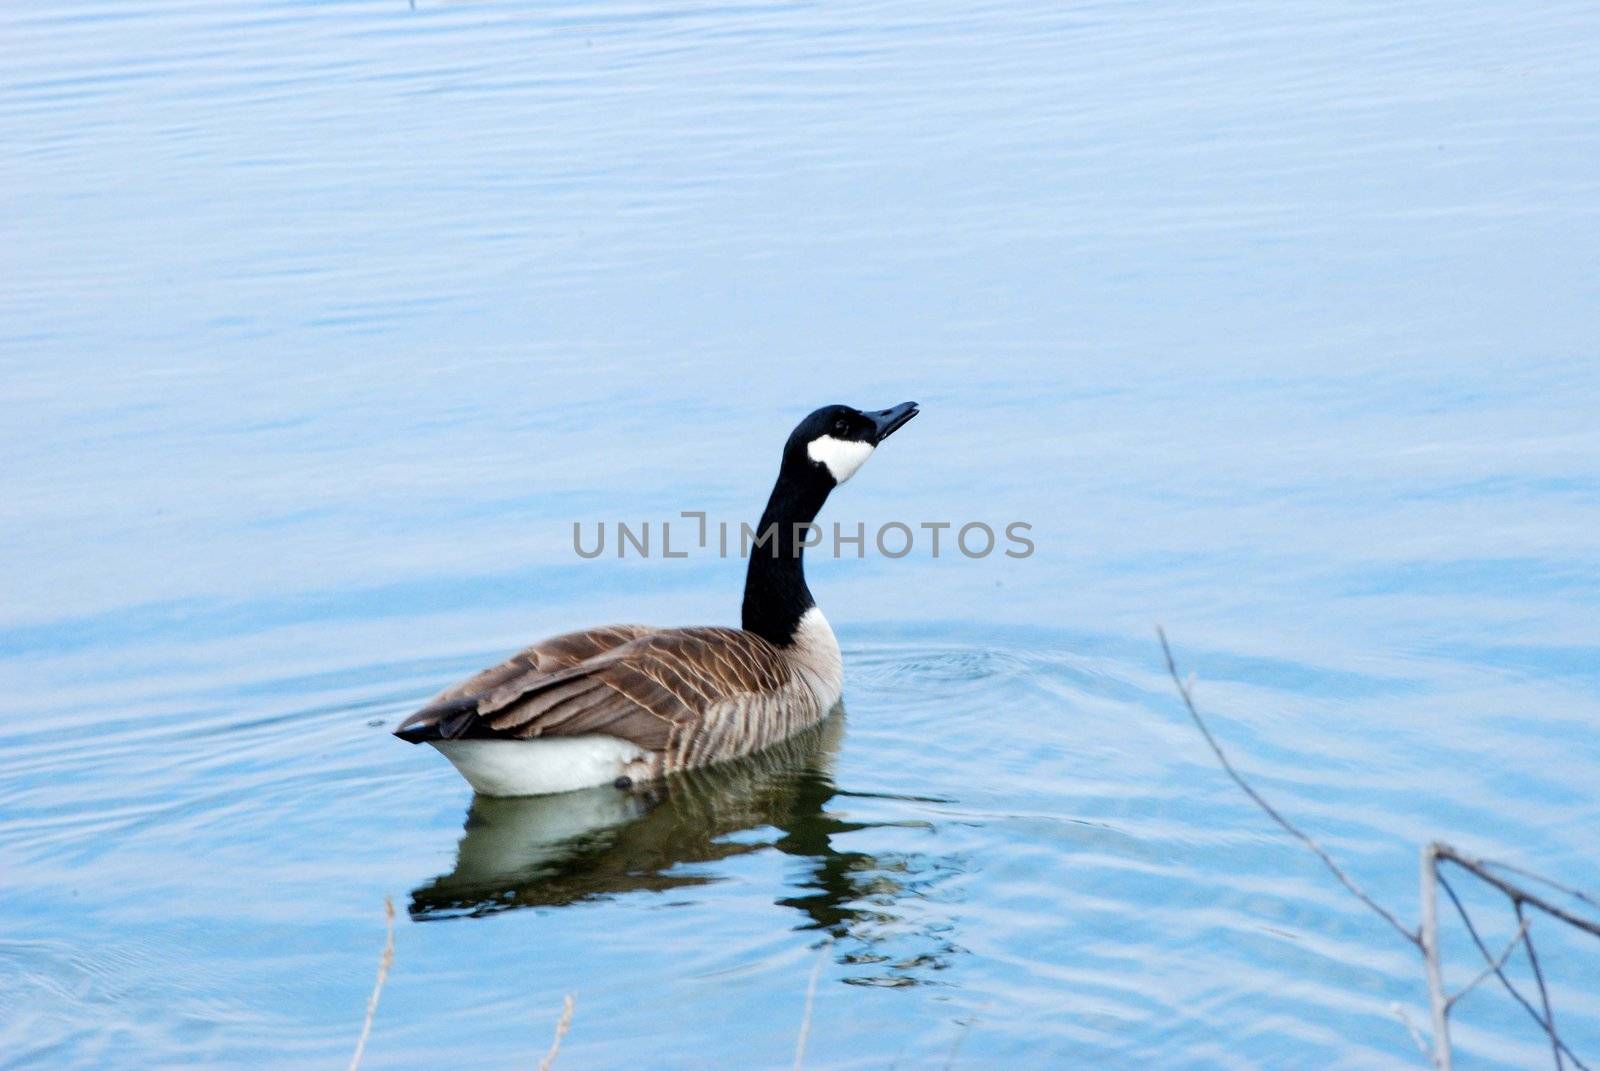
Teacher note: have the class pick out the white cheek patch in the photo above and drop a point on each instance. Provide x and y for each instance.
(842, 456)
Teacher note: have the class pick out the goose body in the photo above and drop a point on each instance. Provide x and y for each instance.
(632, 703)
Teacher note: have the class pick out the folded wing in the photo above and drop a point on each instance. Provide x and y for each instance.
(656, 688)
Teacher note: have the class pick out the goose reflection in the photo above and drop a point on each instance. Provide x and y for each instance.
(554, 851)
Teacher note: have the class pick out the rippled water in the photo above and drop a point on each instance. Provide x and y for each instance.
(323, 322)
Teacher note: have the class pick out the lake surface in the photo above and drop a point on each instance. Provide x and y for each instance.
(322, 323)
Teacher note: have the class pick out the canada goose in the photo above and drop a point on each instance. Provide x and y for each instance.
(630, 703)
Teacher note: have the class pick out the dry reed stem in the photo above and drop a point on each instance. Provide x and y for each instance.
(1428, 941)
(1399, 1012)
(562, 1026)
(385, 961)
(811, 999)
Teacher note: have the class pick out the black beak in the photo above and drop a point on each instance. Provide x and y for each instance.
(888, 421)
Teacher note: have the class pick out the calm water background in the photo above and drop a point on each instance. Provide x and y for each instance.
(322, 322)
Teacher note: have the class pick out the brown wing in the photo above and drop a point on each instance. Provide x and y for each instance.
(545, 657)
(438, 719)
(650, 690)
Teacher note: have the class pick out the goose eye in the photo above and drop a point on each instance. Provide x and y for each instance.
(840, 426)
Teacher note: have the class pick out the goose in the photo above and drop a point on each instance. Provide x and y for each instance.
(631, 704)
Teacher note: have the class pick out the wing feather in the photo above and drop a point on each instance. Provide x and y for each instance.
(660, 689)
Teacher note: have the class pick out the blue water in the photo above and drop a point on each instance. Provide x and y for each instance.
(322, 323)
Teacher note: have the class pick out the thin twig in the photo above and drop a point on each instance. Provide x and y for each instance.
(1544, 994)
(1494, 967)
(811, 999)
(1576, 894)
(1413, 936)
(1509, 986)
(1517, 893)
(563, 1024)
(385, 961)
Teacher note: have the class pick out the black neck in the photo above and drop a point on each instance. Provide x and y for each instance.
(775, 592)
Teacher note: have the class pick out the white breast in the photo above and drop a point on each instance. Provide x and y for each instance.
(815, 657)
(537, 767)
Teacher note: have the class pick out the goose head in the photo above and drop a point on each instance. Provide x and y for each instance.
(836, 440)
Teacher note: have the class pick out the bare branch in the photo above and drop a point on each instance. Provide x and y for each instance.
(563, 1024)
(1414, 936)
(1494, 967)
(1425, 938)
(1533, 1013)
(385, 961)
(1517, 893)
